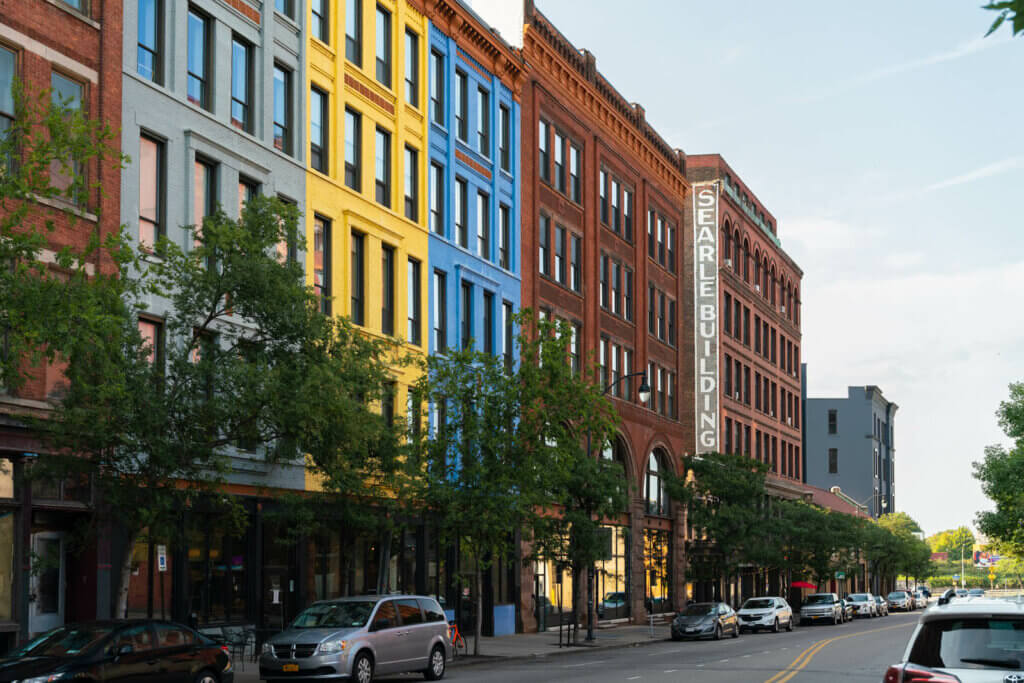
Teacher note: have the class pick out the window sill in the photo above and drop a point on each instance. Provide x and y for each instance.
(290, 21)
(64, 205)
(75, 13)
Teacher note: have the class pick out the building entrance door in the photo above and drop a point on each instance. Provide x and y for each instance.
(46, 590)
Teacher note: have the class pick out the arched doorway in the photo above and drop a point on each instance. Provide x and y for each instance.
(657, 537)
(612, 572)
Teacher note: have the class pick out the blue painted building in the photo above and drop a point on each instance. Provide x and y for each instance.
(474, 192)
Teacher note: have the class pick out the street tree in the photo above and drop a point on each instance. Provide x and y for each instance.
(1011, 10)
(1001, 474)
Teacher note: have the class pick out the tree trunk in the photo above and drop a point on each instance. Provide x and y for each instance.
(574, 628)
(125, 577)
(478, 627)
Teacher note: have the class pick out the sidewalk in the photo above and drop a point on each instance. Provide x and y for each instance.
(526, 646)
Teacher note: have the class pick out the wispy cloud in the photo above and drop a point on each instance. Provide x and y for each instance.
(986, 171)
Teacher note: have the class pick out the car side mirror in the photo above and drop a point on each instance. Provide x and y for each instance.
(947, 596)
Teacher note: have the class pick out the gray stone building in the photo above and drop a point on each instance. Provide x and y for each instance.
(849, 443)
(213, 112)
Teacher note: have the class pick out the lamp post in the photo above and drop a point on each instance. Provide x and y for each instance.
(644, 394)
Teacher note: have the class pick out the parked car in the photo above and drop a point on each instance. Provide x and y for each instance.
(881, 606)
(120, 651)
(976, 592)
(900, 600)
(360, 637)
(705, 620)
(847, 610)
(920, 599)
(863, 604)
(765, 613)
(965, 640)
(614, 600)
(822, 607)
(961, 592)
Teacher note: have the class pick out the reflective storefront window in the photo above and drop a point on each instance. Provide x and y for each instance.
(657, 579)
(6, 564)
(613, 576)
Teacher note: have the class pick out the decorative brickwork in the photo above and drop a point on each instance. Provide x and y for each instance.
(473, 163)
(369, 94)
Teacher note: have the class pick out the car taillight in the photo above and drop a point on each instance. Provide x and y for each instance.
(910, 673)
(225, 650)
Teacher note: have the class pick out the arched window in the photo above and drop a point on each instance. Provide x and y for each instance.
(654, 485)
(764, 277)
(772, 284)
(757, 269)
(615, 451)
(727, 240)
(746, 261)
(737, 254)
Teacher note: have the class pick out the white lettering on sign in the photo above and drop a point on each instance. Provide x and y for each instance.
(705, 286)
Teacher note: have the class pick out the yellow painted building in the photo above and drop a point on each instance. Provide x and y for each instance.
(365, 216)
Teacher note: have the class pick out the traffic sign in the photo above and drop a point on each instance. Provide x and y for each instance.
(840, 575)
(991, 576)
(956, 577)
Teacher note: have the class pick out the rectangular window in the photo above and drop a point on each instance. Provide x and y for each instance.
(436, 199)
(544, 153)
(746, 326)
(671, 390)
(241, 84)
(483, 122)
(671, 239)
(358, 270)
(728, 376)
(461, 213)
(628, 296)
(559, 162)
(150, 51)
(544, 243)
(833, 422)
(672, 323)
(322, 262)
(833, 461)
(152, 191)
(560, 270)
(204, 185)
(412, 331)
(650, 234)
(627, 214)
(603, 188)
(574, 348)
(727, 325)
(575, 263)
(651, 372)
(412, 184)
(661, 316)
(412, 68)
(462, 106)
(387, 284)
(575, 164)
(8, 68)
(67, 95)
(437, 87)
(650, 309)
(198, 63)
(353, 148)
(483, 226)
(505, 138)
(285, 7)
(616, 214)
(504, 236)
(616, 296)
(382, 167)
(627, 370)
(152, 333)
(604, 280)
(508, 327)
(318, 117)
(282, 109)
(661, 240)
(466, 315)
(613, 380)
(383, 46)
(488, 322)
(440, 310)
(247, 189)
(604, 362)
(321, 29)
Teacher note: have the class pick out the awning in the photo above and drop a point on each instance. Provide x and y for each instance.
(803, 584)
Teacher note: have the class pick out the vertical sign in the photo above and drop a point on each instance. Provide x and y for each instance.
(161, 558)
(705, 282)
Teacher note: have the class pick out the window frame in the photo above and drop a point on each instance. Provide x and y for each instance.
(324, 249)
(414, 292)
(357, 268)
(319, 158)
(248, 124)
(387, 280)
(483, 121)
(412, 67)
(412, 182)
(158, 49)
(382, 162)
(384, 70)
(437, 87)
(159, 220)
(286, 125)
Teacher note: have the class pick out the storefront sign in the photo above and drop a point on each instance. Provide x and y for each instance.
(161, 558)
(705, 282)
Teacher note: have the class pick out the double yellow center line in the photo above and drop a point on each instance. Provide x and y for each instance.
(805, 657)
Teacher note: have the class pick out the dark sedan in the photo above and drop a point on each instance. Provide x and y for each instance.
(705, 620)
(119, 651)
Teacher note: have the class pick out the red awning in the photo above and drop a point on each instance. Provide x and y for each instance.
(803, 584)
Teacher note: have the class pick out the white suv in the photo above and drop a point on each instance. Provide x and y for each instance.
(765, 613)
(973, 641)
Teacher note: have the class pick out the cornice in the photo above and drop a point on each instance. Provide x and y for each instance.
(576, 72)
(479, 42)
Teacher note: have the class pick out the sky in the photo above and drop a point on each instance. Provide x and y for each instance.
(885, 138)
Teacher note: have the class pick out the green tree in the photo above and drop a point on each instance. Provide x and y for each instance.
(1007, 9)
(954, 541)
(1001, 474)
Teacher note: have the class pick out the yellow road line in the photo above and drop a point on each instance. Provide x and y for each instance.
(805, 657)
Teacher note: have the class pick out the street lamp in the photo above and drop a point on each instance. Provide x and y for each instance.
(644, 394)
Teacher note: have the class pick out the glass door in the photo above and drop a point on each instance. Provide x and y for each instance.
(46, 596)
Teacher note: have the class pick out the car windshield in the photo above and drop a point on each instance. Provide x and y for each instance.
(976, 591)
(858, 597)
(351, 614)
(972, 643)
(819, 600)
(897, 595)
(759, 603)
(67, 641)
(699, 609)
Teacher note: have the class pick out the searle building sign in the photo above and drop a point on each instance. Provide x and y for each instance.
(705, 282)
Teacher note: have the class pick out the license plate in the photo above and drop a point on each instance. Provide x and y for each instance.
(290, 667)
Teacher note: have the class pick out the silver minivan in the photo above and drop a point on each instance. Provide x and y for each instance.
(358, 637)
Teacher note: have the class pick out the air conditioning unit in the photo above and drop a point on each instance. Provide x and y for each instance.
(728, 263)
(757, 288)
(789, 421)
(783, 308)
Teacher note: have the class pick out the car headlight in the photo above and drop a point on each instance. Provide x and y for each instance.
(43, 679)
(268, 649)
(332, 646)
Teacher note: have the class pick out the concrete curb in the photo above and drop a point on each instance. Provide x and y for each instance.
(470, 660)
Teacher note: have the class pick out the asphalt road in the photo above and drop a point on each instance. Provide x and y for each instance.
(849, 653)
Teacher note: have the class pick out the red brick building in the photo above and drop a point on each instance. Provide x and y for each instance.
(74, 48)
(757, 332)
(602, 232)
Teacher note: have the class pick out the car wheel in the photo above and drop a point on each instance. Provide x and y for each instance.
(676, 637)
(789, 624)
(205, 676)
(718, 632)
(775, 626)
(362, 668)
(736, 631)
(435, 665)
(835, 620)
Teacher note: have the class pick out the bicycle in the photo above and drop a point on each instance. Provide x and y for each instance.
(455, 636)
